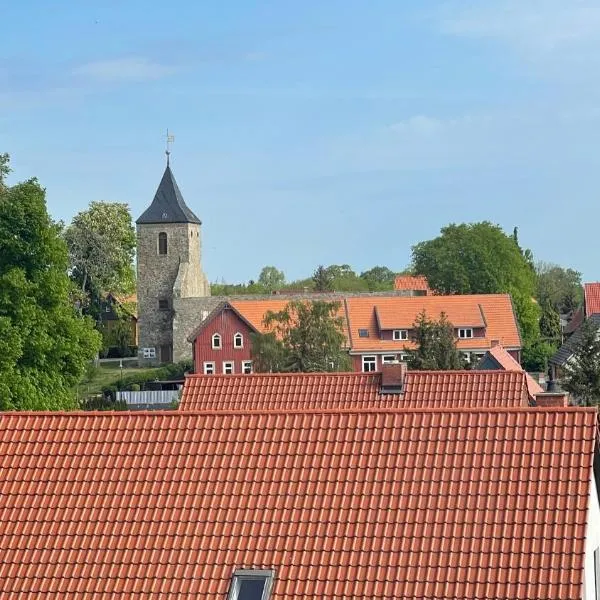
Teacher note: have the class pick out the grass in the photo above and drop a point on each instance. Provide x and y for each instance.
(105, 375)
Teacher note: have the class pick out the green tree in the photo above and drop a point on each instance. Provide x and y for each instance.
(535, 355)
(101, 242)
(582, 372)
(436, 345)
(550, 324)
(379, 278)
(44, 343)
(479, 258)
(303, 337)
(558, 286)
(322, 279)
(4, 168)
(271, 278)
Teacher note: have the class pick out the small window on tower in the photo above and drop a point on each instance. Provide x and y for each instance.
(163, 304)
(162, 243)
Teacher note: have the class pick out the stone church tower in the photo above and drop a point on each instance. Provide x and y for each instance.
(169, 268)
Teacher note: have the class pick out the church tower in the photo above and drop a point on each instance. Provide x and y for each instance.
(169, 267)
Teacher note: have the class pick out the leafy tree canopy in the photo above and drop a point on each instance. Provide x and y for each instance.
(379, 278)
(322, 279)
(479, 258)
(101, 242)
(272, 279)
(582, 372)
(436, 345)
(559, 287)
(44, 344)
(304, 337)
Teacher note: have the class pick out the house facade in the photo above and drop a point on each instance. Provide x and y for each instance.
(378, 328)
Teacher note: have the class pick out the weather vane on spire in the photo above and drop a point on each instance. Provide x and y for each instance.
(170, 140)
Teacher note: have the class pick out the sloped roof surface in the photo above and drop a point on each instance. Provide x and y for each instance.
(591, 293)
(388, 504)
(565, 352)
(508, 363)
(400, 312)
(415, 283)
(300, 391)
(168, 205)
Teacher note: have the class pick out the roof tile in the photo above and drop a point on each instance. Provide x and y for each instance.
(591, 293)
(374, 504)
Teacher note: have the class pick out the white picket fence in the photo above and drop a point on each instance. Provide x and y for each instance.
(148, 397)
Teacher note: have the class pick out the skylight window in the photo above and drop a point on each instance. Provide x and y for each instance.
(363, 333)
(250, 584)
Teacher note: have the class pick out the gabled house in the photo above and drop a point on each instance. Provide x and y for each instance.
(394, 387)
(412, 285)
(381, 328)
(365, 504)
(119, 312)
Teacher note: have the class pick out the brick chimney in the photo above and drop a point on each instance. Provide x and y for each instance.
(494, 343)
(546, 399)
(393, 377)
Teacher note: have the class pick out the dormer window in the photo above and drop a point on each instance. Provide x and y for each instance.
(465, 333)
(216, 341)
(251, 584)
(238, 340)
(400, 334)
(162, 243)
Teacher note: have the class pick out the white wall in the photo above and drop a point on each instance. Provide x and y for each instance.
(592, 542)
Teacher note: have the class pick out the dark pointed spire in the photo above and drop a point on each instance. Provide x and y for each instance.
(168, 205)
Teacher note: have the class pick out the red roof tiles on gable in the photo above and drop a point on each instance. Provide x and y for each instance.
(592, 298)
(389, 504)
(417, 283)
(508, 363)
(300, 391)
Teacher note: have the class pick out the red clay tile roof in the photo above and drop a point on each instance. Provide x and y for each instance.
(300, 391)
(417, 283)
(495, 310)
(592, 298)
(375, 504)
(508, 363)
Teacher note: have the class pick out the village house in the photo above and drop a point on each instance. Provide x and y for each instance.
(459, 504)
(378, 328)
(412, 285)
(394, 387)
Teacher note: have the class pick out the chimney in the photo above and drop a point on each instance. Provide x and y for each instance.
(393, 377)
(494, 343)
(546, 399)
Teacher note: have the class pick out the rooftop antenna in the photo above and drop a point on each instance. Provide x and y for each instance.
(170, 140)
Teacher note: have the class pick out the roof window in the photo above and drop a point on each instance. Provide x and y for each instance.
(363, 333)
(251, 584)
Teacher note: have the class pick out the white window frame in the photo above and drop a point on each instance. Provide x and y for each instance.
(400, 335)
(238, 336)
(209, 368)
(149, 352)
(217, 336)
(388, 359)
(226, 365)
(370, 359)
(247, 364)
(240, 574)
(462, 333)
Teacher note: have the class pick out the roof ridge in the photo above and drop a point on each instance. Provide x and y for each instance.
(308, 411)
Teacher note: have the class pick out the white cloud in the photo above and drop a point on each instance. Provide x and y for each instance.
(124, 69)
(534, 26)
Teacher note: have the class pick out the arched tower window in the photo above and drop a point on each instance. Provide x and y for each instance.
(162, 243)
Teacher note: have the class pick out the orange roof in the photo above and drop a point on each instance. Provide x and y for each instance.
(508, 363)
(254, 311)
(368, 504)
(592, 298)
(493, 310)
(299, 391)
(413, 283)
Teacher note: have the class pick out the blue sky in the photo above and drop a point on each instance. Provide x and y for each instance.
(315, 132)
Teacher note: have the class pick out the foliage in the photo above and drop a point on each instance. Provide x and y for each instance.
(582, 372)
(322, 279)
(535, 355)
(271, 278)
(559, 287)
(45, 344)
(119, 336)
(436, 345)
(304, 337)
(379, 279)
(101, 242)
(479, 258)
(550, 323)
(4, 168)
